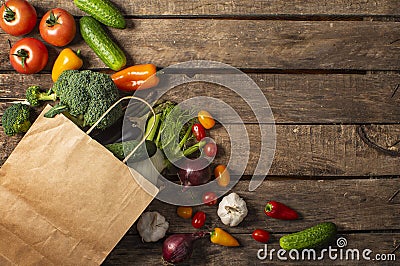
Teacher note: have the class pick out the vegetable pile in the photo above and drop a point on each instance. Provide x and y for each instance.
(173, 134)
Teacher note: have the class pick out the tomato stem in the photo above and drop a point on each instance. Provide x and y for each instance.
(23, 54)
(52, 20)
(9, 15)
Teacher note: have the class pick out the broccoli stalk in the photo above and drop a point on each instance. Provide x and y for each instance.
(16, 119)
(34, 96)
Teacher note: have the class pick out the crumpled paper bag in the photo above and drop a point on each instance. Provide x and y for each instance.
(64, 198)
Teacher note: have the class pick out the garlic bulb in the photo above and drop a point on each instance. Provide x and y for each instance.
(232, 209)
(152, 226)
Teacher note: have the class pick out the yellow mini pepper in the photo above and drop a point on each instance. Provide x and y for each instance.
(223, 238)
(66, 60)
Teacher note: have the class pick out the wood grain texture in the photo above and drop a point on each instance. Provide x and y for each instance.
(351, 204)
(293, 98)
(240, 7)
(250, 44)
(131, 251)
(316, 150)
(301, 150)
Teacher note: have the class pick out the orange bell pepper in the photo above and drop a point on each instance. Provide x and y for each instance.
(223, 238)
(66, 60)
(137, 77)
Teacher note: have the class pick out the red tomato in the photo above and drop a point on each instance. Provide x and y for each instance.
(28, 56)
(210, 198)
(18, 17)
(57, 27)
(206, 119)
(198, 131)
(184, 212)
(260, 235)
(199, 219)
(210, 149)
(222, 175)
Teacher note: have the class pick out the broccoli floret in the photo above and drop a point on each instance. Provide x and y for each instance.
(34, 96)
(86, 95)
(16, 119)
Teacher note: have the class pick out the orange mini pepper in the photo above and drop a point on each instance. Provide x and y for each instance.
(66, 60)
(137, 77)
(223, 238)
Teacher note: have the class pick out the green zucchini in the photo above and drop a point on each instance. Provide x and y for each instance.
(104, 11)
(105, 48)
(309, 238)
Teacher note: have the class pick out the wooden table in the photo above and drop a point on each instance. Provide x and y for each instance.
(329, 70)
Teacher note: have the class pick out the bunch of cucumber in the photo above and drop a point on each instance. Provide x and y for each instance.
(93, 33)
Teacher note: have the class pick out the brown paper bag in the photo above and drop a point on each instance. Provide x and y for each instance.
(64, 198)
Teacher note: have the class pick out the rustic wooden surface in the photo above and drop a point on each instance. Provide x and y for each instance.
(328, 70)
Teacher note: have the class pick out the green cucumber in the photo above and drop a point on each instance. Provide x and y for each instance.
(309, 238)
(97, 39)
(120, 149)
(104, 11)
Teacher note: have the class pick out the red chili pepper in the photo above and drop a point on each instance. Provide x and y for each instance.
(279, 210)
(136, 77)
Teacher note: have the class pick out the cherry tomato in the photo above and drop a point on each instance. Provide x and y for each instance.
(199, 219)
(198, 131)
(57, 27)
(222, 175)
(28, 55)
(210, 198)
(260, 235)
(184, 212)
(18, 17)
(210, 149)
(206, 119)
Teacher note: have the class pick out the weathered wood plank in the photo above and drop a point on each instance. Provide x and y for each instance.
(304, 150)
(131, 251)
(251, 44)
(301, 150)
(294, 98)
(240, 7)
(351, 204)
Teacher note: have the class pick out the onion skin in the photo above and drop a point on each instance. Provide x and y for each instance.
(179, 247)
(191, 177)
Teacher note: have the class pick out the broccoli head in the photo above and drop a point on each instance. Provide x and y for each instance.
(86, 95)
(34, 96)
(16, 119)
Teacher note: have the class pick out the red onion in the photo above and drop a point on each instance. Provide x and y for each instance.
(179, 247)
(195, 172)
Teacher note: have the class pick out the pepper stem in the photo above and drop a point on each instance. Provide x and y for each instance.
(268, 207)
